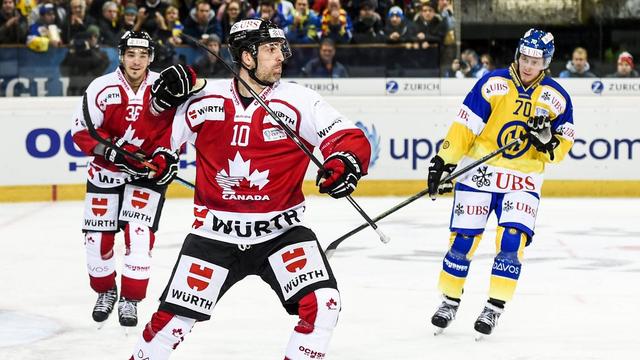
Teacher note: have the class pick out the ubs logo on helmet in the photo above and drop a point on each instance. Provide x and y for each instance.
(509, 132)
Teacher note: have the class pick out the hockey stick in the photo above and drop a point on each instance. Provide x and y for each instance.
(292, 135)
(94, 134)
(333, 245)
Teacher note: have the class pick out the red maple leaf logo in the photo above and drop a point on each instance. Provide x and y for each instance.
(331, 304)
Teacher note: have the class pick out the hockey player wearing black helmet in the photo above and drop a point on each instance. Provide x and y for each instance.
(135, 51)
(258, 47)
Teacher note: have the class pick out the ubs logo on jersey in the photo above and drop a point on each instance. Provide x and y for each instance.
(99, 206)
(238, 182)
(294, 260)
(509, 132)
(199, 277)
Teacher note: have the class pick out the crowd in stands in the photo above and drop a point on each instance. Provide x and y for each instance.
(85, 25)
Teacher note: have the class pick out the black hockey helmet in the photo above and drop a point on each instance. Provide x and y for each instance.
(247, 35)
(136, 39)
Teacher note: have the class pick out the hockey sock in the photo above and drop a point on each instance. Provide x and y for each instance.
(455, 265)
(100, 260)
(139, 241)
(318, 313)
(161, 336)
(510, 243)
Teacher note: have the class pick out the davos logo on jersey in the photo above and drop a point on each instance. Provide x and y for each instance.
(238, 181)
(374, 141)
(509, 132)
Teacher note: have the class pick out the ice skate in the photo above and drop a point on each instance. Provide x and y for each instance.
(445, 314)
(487, 320)
(128, 312)
(104, 306)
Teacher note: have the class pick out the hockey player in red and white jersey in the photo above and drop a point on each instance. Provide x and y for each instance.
(120, 195)
(248, 203)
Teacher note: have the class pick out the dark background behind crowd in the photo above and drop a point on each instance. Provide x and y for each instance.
(331, 38)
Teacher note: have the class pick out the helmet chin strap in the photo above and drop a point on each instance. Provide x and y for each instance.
(252, 73)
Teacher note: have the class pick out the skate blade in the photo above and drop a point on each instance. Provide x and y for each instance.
(101, 325)
(437, 330)
(126, 331)
(479, 336)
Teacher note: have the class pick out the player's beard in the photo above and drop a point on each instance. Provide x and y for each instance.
(271, 75)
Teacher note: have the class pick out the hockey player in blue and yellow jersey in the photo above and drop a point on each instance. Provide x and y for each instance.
(517, 102)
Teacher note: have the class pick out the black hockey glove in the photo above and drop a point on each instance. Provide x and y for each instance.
(438, 170)
(540, 136)
(125, 163)
(173, 87)
(166, 162)
(339, 175)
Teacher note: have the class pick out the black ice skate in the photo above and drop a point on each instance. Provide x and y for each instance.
(445, 314)
(128, 312)
(104, 305)
(487, 320)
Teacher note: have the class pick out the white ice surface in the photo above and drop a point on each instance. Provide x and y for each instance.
(578, 295)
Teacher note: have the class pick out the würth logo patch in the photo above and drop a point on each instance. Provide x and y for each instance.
(294, 260)
(99, 206)
(139, 199)
(200, 277)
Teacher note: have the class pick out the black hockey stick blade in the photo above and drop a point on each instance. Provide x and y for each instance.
(94, 134)
(334, 244)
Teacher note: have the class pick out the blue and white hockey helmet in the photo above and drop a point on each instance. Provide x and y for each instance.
(536, 43)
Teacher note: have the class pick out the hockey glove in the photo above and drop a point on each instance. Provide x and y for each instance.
(540, 136)
(339, 175)
(125, 163)
(166, 162)
(172, 88)
(438, 170)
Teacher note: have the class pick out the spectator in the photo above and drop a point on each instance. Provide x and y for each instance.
(129, 19)
(471, 57)
(487, 62)
(208, 66)
(109, 25)
(44, 32)
(84, 61)
(368, 26)
(13, 25)
(304, 28)
(201, 20)
(578, 66)
(429, 28)
(267, 11)
(59, 10)
(397, 30)
(336, 23)
(26, 6)
(151, 13)
(625, 67)
(445, 10)
(78, 21)
(170, 27)
(230, 13)
(285, 8)
(325, 65)
(459, 69)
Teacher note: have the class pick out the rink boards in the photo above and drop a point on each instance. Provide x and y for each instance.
(405, 130)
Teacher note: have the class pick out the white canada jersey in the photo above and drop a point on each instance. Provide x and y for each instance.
(249, 173)
(114, 108)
